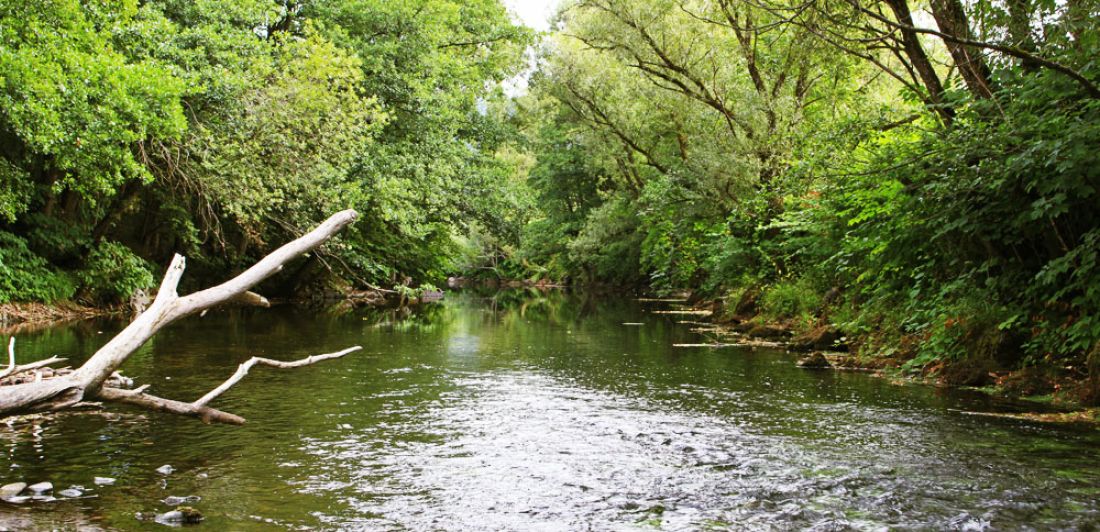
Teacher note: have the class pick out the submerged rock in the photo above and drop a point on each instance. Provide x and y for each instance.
(104, 481)
(11, 490)
(814, 361)
(40, 488)
(181, 515)
(165, 469)
(174, 500)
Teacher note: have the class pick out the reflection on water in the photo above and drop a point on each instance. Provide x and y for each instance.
(537, 413)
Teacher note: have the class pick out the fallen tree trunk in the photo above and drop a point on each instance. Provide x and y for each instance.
(87, 382)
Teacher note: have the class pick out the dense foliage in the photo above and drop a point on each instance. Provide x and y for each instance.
(921, 176)
(219, 128)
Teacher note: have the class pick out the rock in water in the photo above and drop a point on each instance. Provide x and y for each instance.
(104, 481)
(183, 514)
(768, 332)
(165, 469)
(71, 493)
(815, 361)
(11, 490)
(40, 488)
(174, 500)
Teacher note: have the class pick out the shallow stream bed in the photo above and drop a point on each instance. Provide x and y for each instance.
(534, 412)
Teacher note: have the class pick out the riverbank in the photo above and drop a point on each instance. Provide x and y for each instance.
(825, 346)
(24, 317)
(726, 323)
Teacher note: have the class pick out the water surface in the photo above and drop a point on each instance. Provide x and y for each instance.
(535, 412)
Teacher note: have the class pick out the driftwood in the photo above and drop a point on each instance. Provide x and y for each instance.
(88, 382)
(11, 358)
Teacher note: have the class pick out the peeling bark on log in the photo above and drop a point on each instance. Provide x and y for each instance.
(87, 382)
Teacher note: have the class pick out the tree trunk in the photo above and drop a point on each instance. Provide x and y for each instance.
(951, 18)
(920, 61)
(116, 210)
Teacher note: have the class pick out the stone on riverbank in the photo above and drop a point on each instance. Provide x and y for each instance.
(11, 490)
(40, 488)
(175, 500)
(814, 361)
(768, 332)
(820, 338)
(183, 514)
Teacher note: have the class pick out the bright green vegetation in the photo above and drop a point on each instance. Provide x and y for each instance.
(920, 176)
(219, 128)
(932, 194)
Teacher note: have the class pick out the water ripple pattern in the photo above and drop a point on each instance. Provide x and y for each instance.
(543, 412)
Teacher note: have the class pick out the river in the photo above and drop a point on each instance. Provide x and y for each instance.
(528, 411)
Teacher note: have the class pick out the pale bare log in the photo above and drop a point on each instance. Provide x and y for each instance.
(11, 359)
(35, 365)
(159, 404)
(242, 370)
(198, 408)
(251, 299)
(168, 307)
(86, 381)
(246, 299)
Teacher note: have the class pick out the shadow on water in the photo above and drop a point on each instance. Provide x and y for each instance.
(528, 410)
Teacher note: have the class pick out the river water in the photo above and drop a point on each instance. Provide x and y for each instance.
(530, 411)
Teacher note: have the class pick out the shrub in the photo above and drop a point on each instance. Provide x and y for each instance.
(111, 273)
(608, 246)
(25, 276)
(789, 299)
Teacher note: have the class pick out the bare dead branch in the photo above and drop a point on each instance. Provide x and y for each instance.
(242, 370)
(251, 299)
(199, 408)
(11, 359)
(159, 404)
(34, 365)
(88, 380)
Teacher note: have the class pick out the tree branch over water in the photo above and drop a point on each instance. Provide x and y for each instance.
(89, 381)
